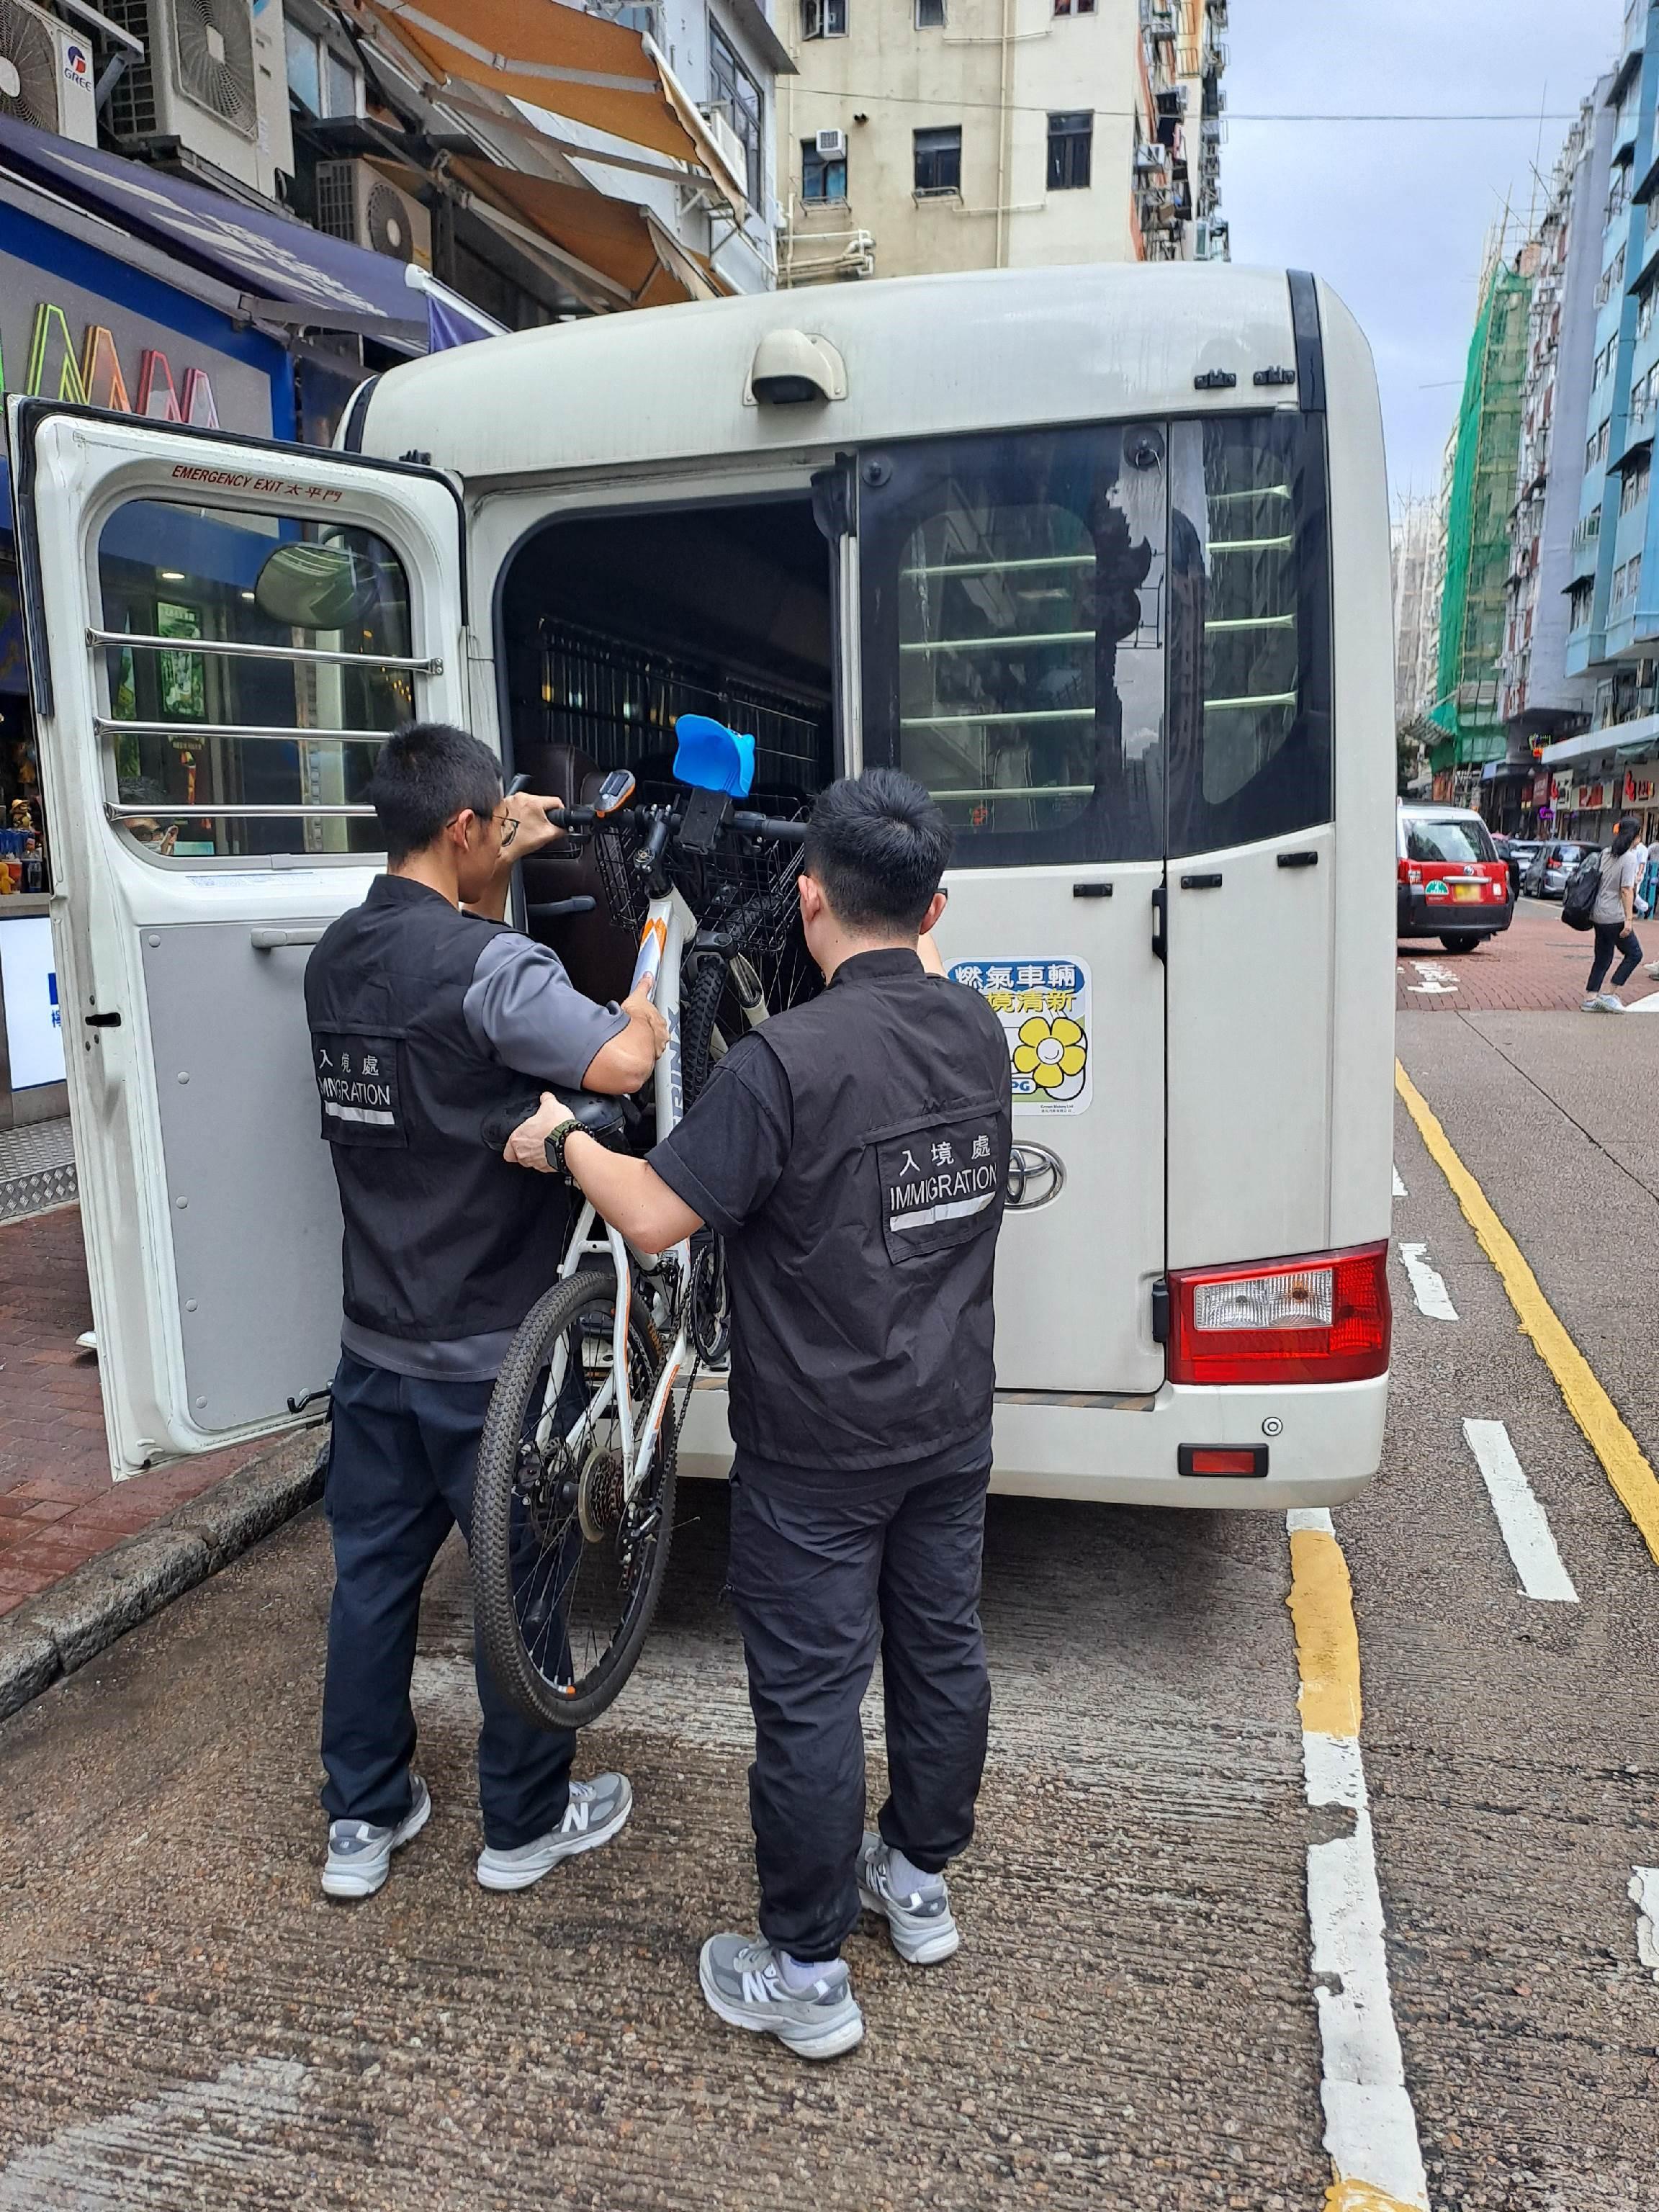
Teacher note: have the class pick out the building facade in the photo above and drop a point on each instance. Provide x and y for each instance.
(920, 136)
(1614, 607)
(1415, 546)
(1479, 495)
(1538, 700)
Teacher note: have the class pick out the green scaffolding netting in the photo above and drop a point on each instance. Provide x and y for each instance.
(1479, 498)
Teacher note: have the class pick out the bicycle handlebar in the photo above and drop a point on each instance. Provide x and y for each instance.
(769, 828)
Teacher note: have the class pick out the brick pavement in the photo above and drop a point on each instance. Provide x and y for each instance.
(59, 1505)
(1538, 965)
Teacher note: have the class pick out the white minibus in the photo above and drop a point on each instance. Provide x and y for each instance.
(1100, 555)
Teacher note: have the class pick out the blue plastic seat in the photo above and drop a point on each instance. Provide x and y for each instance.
(711, 757)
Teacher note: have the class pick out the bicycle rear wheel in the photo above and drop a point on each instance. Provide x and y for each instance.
(567, 1569)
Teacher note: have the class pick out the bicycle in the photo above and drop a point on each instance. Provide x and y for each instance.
(573, 1499)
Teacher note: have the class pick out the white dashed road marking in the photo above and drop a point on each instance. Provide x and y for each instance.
(1435, 979)
(1429, 1292)
(1525, 1527)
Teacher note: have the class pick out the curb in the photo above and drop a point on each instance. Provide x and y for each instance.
(52, 1635)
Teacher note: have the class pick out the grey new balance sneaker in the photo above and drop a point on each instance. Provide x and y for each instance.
(596, 1811)
(743, 1983)
(919, 1920)
(359, 1854)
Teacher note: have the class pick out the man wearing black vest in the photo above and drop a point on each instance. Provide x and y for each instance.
(853, 1152)
(426, 1014)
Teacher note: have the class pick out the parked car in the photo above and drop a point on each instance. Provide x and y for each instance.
(1452, 883)
(1506, 853)
(1521, 850)
(1551, 865)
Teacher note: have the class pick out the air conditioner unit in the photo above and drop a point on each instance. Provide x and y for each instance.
(832, 145)
(354, 201)
(46, 73)
(1149, 156)
(727, 144)
(214, 82)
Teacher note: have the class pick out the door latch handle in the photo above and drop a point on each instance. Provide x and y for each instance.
(1160, 912)
(103, 1021)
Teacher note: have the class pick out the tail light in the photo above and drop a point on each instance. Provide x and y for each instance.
(1324, 1317)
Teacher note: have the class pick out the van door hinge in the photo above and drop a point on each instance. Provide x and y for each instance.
(832, 500)
(1160, 1312)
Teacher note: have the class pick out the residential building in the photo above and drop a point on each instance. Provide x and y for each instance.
(928, 134)
(1538, 699)
(1479, 491)
(1416, 559)
(1614, 606)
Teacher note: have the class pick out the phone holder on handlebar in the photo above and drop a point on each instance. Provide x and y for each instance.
(705, 815)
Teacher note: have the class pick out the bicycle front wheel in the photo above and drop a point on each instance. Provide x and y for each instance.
(567, 1566)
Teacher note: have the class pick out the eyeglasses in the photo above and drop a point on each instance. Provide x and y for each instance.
(509, 831)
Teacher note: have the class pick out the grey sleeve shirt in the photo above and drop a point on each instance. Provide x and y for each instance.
(523, 1009)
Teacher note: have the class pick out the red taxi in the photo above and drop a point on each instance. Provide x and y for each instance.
(1453, 883)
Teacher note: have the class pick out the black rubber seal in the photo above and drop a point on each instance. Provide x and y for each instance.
(1309, 341)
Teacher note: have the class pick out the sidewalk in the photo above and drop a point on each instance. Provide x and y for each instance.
(58, 1506)
(1538, 965)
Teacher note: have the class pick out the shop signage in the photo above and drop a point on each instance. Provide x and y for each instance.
(1590, 796)
(1638, 790)
(1541, 790)
(59, 341)
(1563, 783)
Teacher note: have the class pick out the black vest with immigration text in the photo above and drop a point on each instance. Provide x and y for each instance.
(862, 1323)
(443, 1239)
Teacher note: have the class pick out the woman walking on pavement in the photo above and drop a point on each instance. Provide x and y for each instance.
(1614, 913)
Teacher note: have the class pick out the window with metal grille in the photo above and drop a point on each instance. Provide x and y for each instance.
(822, 178)
(824, 19)
(939, 160)
(1071, 150)
(1074, 7)
(930, 15)
(730, 83)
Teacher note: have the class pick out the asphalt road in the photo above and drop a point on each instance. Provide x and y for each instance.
(1132, 2019)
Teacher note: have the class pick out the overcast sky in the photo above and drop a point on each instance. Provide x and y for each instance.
(1396, 215)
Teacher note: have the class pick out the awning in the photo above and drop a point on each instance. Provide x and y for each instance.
(288, 276)
(1628, 740)
(552, 56)
(451, 320)
(614, 249)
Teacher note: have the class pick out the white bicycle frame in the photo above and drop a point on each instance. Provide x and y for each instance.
(669, 923)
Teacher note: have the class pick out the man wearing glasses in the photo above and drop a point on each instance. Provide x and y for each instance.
(427, 1014)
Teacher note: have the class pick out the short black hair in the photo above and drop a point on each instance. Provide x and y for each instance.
(424, 774)
(878, 844)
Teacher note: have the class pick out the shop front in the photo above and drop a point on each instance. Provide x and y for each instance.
(1597, 778)
(130, 291)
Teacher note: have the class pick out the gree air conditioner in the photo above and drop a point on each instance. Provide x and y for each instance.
(354, 201)
(45, 73)
(213, 83)
(832, 145)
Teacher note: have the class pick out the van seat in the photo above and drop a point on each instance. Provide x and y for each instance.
(600, 956)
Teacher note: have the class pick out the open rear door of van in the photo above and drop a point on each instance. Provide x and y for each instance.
(221, 632)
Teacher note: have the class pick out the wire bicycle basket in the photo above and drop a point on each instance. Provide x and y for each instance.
(741, 889)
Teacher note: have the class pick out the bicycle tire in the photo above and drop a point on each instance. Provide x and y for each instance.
(700, 1003)
(528, 1506)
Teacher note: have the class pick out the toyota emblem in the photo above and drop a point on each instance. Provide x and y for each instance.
(1036, 1176)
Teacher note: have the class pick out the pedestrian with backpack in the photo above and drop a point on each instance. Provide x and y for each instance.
(1612, 917)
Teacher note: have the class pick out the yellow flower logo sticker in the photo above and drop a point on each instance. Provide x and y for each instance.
(1053, 1052)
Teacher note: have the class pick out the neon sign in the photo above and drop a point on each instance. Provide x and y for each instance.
(96, 378)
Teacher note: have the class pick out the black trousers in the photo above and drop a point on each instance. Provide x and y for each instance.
(1610, 936)
(818, 1584)
(399, 1477)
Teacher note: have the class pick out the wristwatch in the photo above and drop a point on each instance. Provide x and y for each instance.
(555, 1144)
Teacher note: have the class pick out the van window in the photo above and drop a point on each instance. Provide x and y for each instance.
(1013, 637)
(1449, 839)
(1249, 615)
(190, 727)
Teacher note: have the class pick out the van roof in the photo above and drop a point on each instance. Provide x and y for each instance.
(924, 356)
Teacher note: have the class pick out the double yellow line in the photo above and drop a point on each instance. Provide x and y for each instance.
(1623, 1461)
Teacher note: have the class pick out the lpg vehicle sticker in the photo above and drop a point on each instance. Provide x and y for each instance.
(1043, 1007)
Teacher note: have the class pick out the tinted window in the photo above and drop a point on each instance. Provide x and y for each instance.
(1449, 839)
(189, 728)
(1013, 641)
(1250, 629)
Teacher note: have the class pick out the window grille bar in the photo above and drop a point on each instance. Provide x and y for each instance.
(313, 656)
(1018, 791)
(957, 721)
(257, 729)
(170, 810)
(1251, 545)
(1254, 491)
(987, 644)
(1001, 568)
(1254, 622)
(1262, 699)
